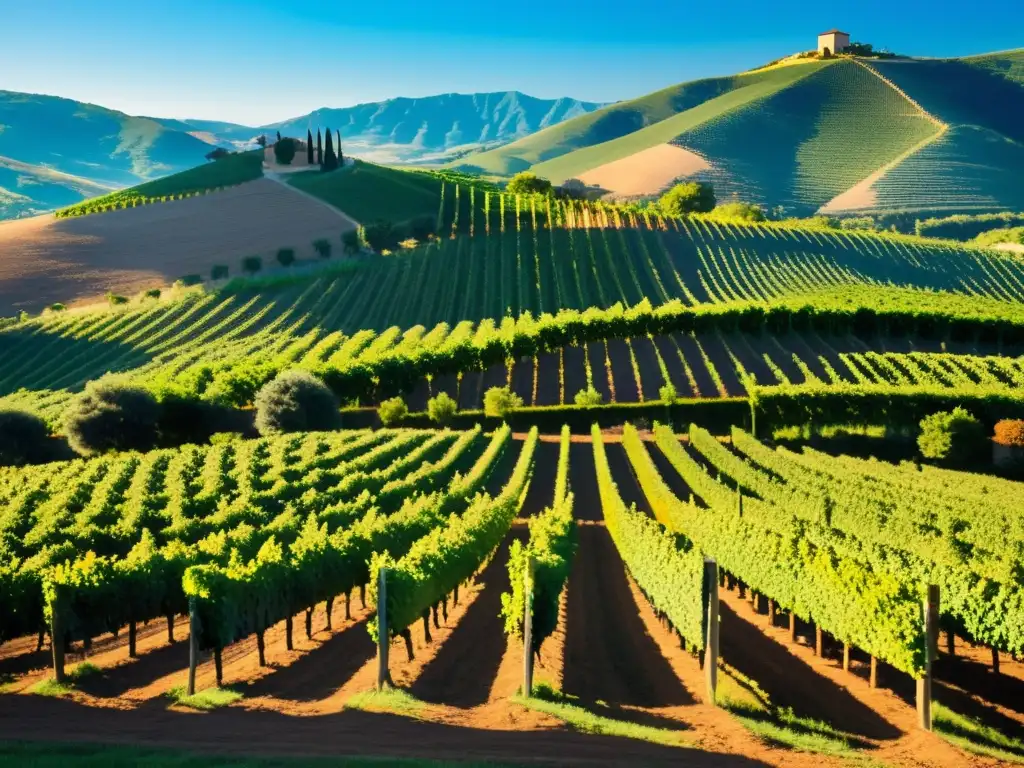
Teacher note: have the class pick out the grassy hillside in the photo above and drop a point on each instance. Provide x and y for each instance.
(809, 143)
(749, 90)
(507, 268)
(86, 142)
(978, 162)
(368, 192)
(1009, 64)
(226, 172)
(622, 119)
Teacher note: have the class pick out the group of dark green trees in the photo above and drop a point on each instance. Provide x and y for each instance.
(325, 156)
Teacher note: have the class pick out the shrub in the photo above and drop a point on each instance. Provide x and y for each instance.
(526, 183)
(116, 299)
(24, 438)
(668, 393)
(1005, 235)
(350, 241)
(152, 293)
(323, 248)
(422, 227)
(191, 420)
(188, 280)
(284, 151)
(1010, 432)
(286, 256)
(441, 408)
(380, 236)
(252, 264)
(952, 436)
(691, 197)
(219, 272)
(296, 401)
(573, 189)
(865, 223)
(57, 307)
(500, 401)
(112, 416)
(739, 212)
(392, 411)
(589, 396)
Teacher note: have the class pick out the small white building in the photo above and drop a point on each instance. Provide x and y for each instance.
(832, 41)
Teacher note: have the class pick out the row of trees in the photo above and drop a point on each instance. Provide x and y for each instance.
(325, 155)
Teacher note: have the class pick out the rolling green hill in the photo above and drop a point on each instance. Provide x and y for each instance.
(57, 151)
(977, 163)
(846, 136)
(225, 172)
(626, 118)
(809, 143)
(368, 192)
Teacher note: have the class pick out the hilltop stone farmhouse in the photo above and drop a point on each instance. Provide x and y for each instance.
(832, 41)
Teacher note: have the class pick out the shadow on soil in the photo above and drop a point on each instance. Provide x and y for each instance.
(793, 684)
(351, 732)
(466, 664)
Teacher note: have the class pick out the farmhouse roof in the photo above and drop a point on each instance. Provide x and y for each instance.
(834, 32)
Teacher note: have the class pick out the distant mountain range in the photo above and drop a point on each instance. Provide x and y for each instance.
(56, 151)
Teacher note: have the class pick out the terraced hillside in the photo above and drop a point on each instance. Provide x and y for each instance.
(260, 560)
(843, 136)
(814, 140)
(626, 118)
(451, 306)
(975, 164)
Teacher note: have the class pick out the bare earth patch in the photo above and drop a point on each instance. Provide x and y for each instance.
(647, 172)
(79, 260)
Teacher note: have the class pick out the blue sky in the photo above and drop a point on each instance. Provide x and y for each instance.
(256, 62)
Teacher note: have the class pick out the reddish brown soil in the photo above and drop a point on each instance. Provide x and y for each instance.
(610, 651)
(79, 260)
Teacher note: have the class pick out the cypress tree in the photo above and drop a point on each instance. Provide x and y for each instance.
(341, 157)
(309, 147)
(330, 159)
(319, 148)
(278, 135)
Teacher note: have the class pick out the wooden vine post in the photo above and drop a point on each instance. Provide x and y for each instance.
(57, 640)
(528, 628)
(711, 646)
(383, 678)
(924, 683)
(193, 645)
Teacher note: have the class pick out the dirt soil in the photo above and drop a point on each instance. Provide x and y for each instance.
(647, 172)
(610, 651)
(79, 260)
